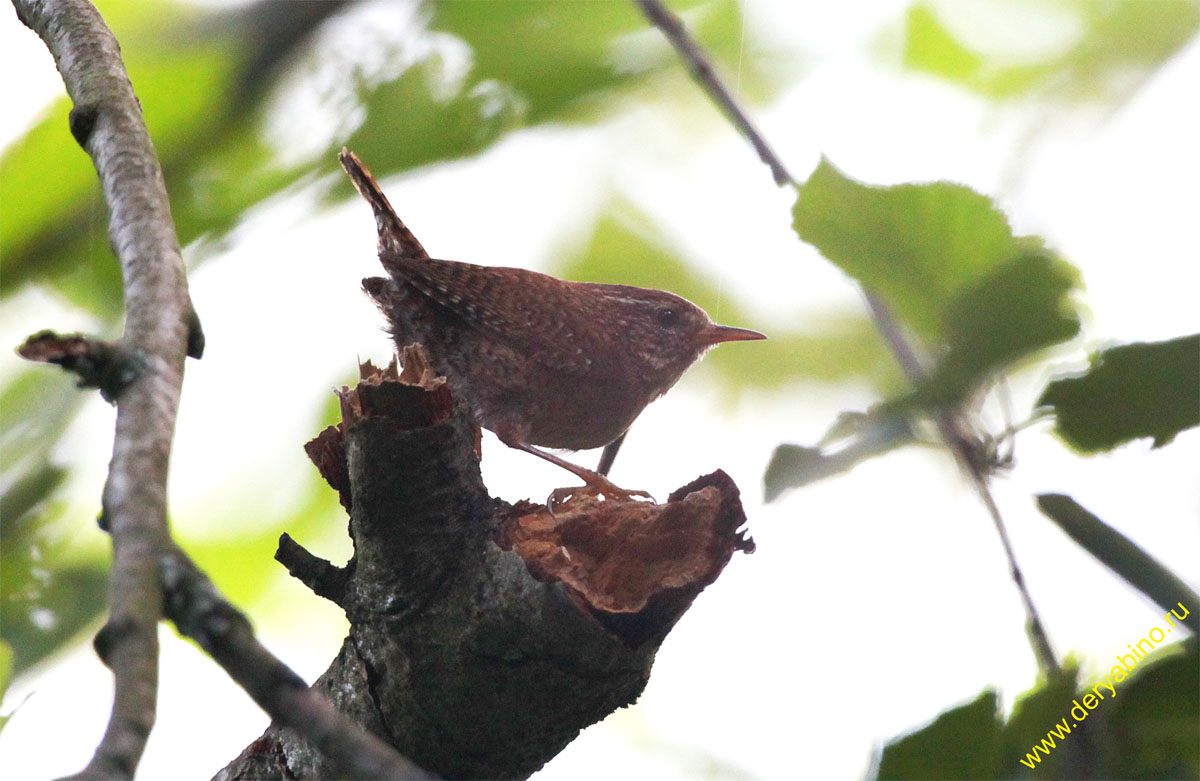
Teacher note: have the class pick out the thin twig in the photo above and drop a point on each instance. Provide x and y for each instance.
(98, 364)
(201, 613)
(322, 577)
(702, 70)
(962, 448)
(1037, 631)
(889, 328)
(107, 122)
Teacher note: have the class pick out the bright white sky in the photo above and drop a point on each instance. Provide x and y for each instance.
(875, 600)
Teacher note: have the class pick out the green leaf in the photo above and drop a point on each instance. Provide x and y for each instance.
(1147, 729)
(862, 436)
(564, 51)
(60, 231)
(433, 130)
(51, 582)
(6, 666)
(38, 403)
(1145, 389)
(1153, 729)
(1015, 310)
(1036, 711)
(568, 49)
(945, 260)
(26, 169)
(794, 466)
(917, 245)
(961, 743)
(1120, 554)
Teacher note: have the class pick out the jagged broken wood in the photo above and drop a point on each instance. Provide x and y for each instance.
(484, 636)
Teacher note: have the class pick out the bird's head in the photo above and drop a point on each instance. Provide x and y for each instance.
(661, 333)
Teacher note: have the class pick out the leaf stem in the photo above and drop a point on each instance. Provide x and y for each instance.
(705, 75)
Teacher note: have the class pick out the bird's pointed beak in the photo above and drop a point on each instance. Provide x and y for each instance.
(715, 334)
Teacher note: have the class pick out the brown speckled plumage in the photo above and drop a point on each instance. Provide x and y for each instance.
(540, 360)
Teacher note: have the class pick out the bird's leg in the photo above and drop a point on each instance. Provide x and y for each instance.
(610, 454)
(594, 481)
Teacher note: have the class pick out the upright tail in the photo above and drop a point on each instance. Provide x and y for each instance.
(394, 237)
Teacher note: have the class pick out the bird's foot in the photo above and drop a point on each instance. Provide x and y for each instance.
(604, 487)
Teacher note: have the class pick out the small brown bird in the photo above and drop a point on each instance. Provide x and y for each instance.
(540, 361)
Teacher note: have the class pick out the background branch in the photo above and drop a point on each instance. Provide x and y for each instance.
(703, 72)
(161, 329)
(106, 121)
(201, 613)
(705, 75)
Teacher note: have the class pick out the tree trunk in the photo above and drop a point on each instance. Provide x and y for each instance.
(484, 636)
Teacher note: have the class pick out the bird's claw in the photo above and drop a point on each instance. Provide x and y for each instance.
(610, 491)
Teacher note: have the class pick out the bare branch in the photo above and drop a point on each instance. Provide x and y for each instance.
(201, 613)
(702, 70)
(107, 122)
(161, 328)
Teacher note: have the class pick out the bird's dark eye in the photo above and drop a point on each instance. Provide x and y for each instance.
(667, 317)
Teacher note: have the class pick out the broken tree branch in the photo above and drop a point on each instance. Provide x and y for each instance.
(484, 636)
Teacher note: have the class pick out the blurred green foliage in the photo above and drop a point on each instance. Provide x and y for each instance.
(6, 673)
(979, 298)
(212, 140)
(1113, 41)
(1121, 555)
(853, 438)
(834, 346)
(929, 753)
(917, 245)
(214, 89)
(943, 257)
(1147, 389)
(1150, 729)
(47, 593)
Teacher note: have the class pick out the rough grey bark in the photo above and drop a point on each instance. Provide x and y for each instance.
(484, 636)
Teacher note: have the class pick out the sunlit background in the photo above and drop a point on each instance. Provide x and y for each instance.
(876, 599)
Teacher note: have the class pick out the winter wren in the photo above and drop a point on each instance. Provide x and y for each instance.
(539, 360)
